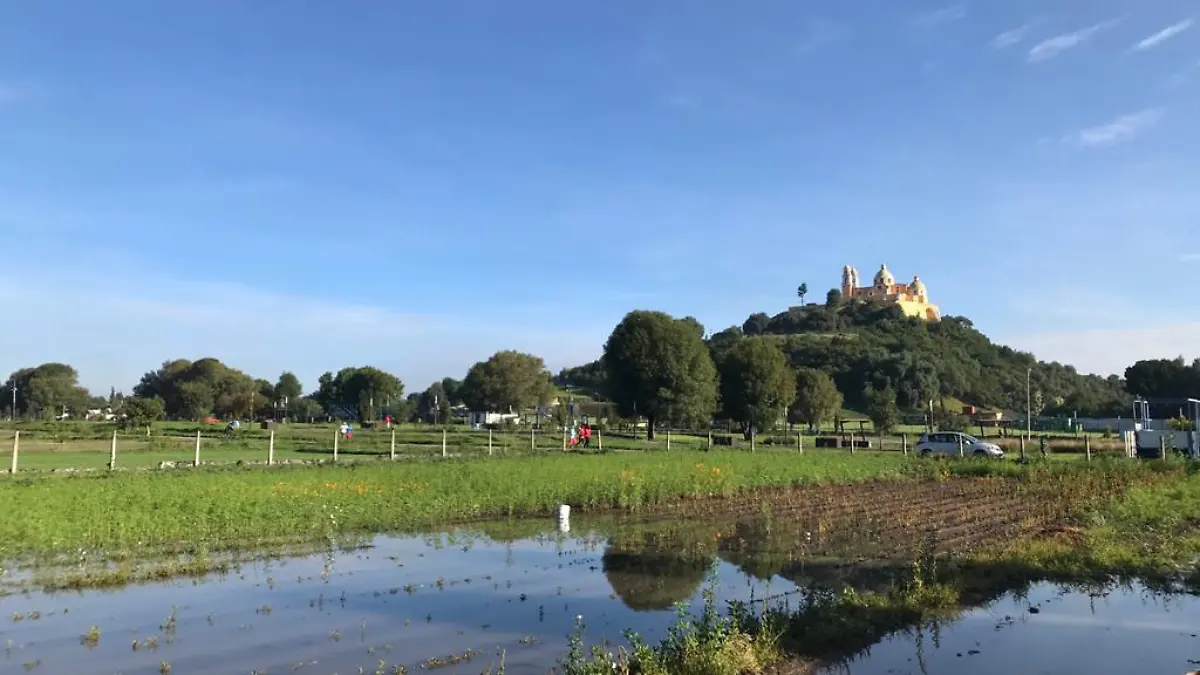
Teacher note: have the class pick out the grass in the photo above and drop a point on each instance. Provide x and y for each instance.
(218, 509)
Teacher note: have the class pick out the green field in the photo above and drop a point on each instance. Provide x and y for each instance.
(217, 509)
(87, 446)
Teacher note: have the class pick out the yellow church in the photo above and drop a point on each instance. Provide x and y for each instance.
(912, 298)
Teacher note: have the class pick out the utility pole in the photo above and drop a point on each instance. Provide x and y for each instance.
(1028, 405)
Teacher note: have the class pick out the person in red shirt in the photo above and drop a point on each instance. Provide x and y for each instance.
(585, 432)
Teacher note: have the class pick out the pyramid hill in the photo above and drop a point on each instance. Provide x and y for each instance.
(866, 343)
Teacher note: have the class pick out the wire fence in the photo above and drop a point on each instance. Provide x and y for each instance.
(100, 447)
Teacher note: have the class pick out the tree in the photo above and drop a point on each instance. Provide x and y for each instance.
(141, 412)
(453, 389)
(817, 397)
(659, 368)
(45, 390)
(508, 381)
(756, 384)
(194, 400)
(833, 299)
(756, 324)
(433, 405)
(305, 408)
(288, 388)
(882, 410)
(191, 390)
(802, 290)
(358, 392)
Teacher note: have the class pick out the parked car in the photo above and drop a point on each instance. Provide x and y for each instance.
(948, 444)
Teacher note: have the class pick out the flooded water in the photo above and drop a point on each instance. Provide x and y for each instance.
(458, 602)
(1049, 630)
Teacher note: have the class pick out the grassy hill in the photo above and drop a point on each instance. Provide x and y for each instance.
(866, 345)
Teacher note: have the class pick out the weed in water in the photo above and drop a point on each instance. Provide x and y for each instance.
(92, 637)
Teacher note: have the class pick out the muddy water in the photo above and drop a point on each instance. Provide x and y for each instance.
(455, 602)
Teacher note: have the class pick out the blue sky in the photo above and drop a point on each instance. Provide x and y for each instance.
(309, 185)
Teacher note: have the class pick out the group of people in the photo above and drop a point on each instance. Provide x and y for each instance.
(582, 436)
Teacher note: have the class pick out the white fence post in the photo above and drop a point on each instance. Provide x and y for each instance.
(800, 443)
(753, 436)
(336, 437)
(443, 443)
(196, 461)
(532, 439)
(16, 449)
(600, 440)
(489, 442)
(112, 453)
(668, 439)
(392, 450)
(271, 449)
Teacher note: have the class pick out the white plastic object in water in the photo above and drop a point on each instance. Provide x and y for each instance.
(564, 512)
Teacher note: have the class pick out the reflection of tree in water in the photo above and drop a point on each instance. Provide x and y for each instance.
(650, 574)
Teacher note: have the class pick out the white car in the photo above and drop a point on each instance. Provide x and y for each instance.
(949, 443)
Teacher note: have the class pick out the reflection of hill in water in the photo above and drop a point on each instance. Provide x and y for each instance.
(650, 571)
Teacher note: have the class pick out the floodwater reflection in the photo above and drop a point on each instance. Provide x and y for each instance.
(460, 599)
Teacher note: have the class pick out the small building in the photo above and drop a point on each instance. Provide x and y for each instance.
(477, 420)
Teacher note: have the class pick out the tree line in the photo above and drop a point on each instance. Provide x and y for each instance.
(802, 365)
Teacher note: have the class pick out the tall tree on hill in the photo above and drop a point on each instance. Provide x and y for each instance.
(757, 385)
(508, 381)
(453, 389)
(817, 397)
(659, 368)
(756, 324)
(801, 291)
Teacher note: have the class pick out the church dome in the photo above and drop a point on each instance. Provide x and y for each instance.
(917, 287)
(884, 277)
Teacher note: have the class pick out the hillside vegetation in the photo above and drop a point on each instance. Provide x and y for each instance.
(866, 346)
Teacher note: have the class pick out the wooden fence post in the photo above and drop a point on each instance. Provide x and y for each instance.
(112, 453)
(1087, 447)
(753, 436)
(196, 460)
(904, 443)
(16, 450)
(271, 449)
(392, 449)
(443, 443)
(1022, 441)
(336, 437)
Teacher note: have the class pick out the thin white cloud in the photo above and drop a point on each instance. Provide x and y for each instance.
(1011, 37)
(1051, 47)
(940, 17)
(1121, 129)
(113, 325)
(1163, 35)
